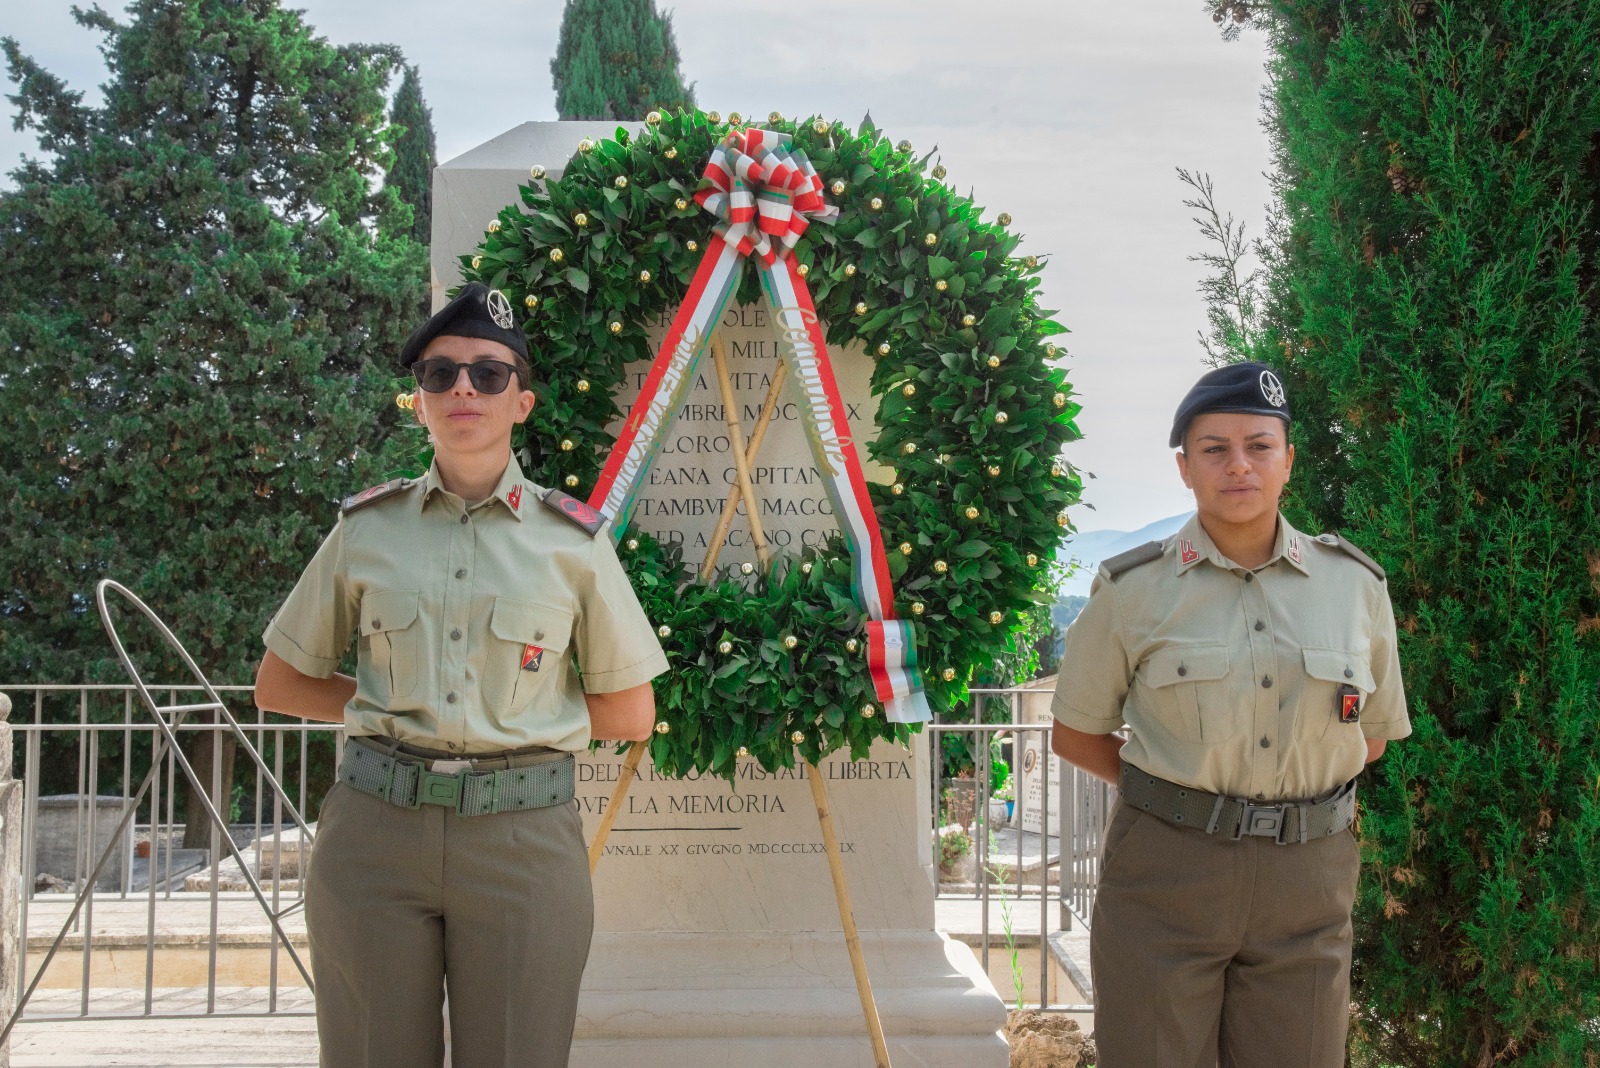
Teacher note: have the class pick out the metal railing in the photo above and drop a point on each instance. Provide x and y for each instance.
(164, 902)
(1055, 867)
(170, 901)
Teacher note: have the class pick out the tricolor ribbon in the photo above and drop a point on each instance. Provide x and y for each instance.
(765, 193)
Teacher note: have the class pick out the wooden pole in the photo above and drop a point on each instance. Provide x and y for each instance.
(768, 407)
(745, 456)
(741, 464)
(852, 940)
(630, 766)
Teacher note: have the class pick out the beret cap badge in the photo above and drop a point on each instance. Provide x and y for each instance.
(1272, 389)
(499, 309)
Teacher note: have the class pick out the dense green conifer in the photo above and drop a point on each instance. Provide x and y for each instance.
(410, 174)
(616, 59)
(200, 293)
(1431, 297)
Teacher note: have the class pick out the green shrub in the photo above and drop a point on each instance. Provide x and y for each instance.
(1431, 296)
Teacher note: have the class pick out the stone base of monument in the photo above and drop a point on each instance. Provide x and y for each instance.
(784, 1001)
(717, 934)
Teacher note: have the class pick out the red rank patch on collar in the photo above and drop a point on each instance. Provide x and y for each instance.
(514, 498)
(1187, 552)
(1294, 549)
(532, 656)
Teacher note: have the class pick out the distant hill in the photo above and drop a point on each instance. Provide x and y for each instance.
(1090, 547)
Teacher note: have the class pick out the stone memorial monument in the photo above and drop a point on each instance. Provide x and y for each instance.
(718, 938)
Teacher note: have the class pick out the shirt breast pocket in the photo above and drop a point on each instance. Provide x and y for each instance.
(1190, 698)
(390, 645)
(1326, 671)
(526, 645)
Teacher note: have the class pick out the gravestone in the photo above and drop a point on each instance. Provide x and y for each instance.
(71, 831)
(1028, 813)
(718, 939)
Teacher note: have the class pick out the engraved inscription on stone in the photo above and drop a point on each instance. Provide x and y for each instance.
(703, 853)
(694, 470)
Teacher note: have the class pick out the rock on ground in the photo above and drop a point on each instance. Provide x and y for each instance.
(1047, 1040)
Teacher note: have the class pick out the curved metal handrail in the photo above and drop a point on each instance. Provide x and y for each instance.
(169, 741)
(215, 702)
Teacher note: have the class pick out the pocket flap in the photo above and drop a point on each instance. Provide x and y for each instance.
(531, 624)
(1186, 663)
(388, 610)
(1332, 665)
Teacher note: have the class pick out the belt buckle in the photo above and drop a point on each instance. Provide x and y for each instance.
(1263, 821)
(436, 789)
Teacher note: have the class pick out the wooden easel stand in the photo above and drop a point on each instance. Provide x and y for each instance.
(847, 916)
(743, 458)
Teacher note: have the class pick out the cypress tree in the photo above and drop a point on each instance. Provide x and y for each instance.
(199, 297)
(410, 175)
(616, 59)
(1431, 298)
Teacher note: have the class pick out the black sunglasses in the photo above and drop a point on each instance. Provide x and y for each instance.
(439, 374)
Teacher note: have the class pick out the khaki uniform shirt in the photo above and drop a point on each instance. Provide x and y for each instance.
(1227, 679)
(481, 627)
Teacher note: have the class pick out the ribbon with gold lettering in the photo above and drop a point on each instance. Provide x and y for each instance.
(765, 194)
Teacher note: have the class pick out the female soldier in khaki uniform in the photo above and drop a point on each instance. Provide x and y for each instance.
(1255, 670)
(498, 634)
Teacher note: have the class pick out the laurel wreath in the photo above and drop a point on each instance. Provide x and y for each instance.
(971, 416)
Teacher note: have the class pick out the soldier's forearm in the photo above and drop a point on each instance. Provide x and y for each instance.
(625, 716)
(282, 688)
(1098, 754)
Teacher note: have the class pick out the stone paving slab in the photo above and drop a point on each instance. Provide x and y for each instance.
(289, 1041)
(1003, 850)
(962, 918)
(170, 871)
(182, 919)
(169, 1001)
(1071, 951)
(248, 1042)
(186, 920)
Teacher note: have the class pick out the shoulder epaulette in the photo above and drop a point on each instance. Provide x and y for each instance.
(373, 493)
(1339, 542)
(574, 511)
(1139, 554)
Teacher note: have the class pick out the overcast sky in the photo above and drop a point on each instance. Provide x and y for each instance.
(1069, 115)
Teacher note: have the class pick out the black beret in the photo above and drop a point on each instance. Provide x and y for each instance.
(1250, 388)
(477, 311)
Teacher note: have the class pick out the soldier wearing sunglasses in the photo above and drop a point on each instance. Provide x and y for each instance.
(497, 634)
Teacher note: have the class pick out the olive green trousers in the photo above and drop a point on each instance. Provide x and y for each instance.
(1208, 951)
(402, 903)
